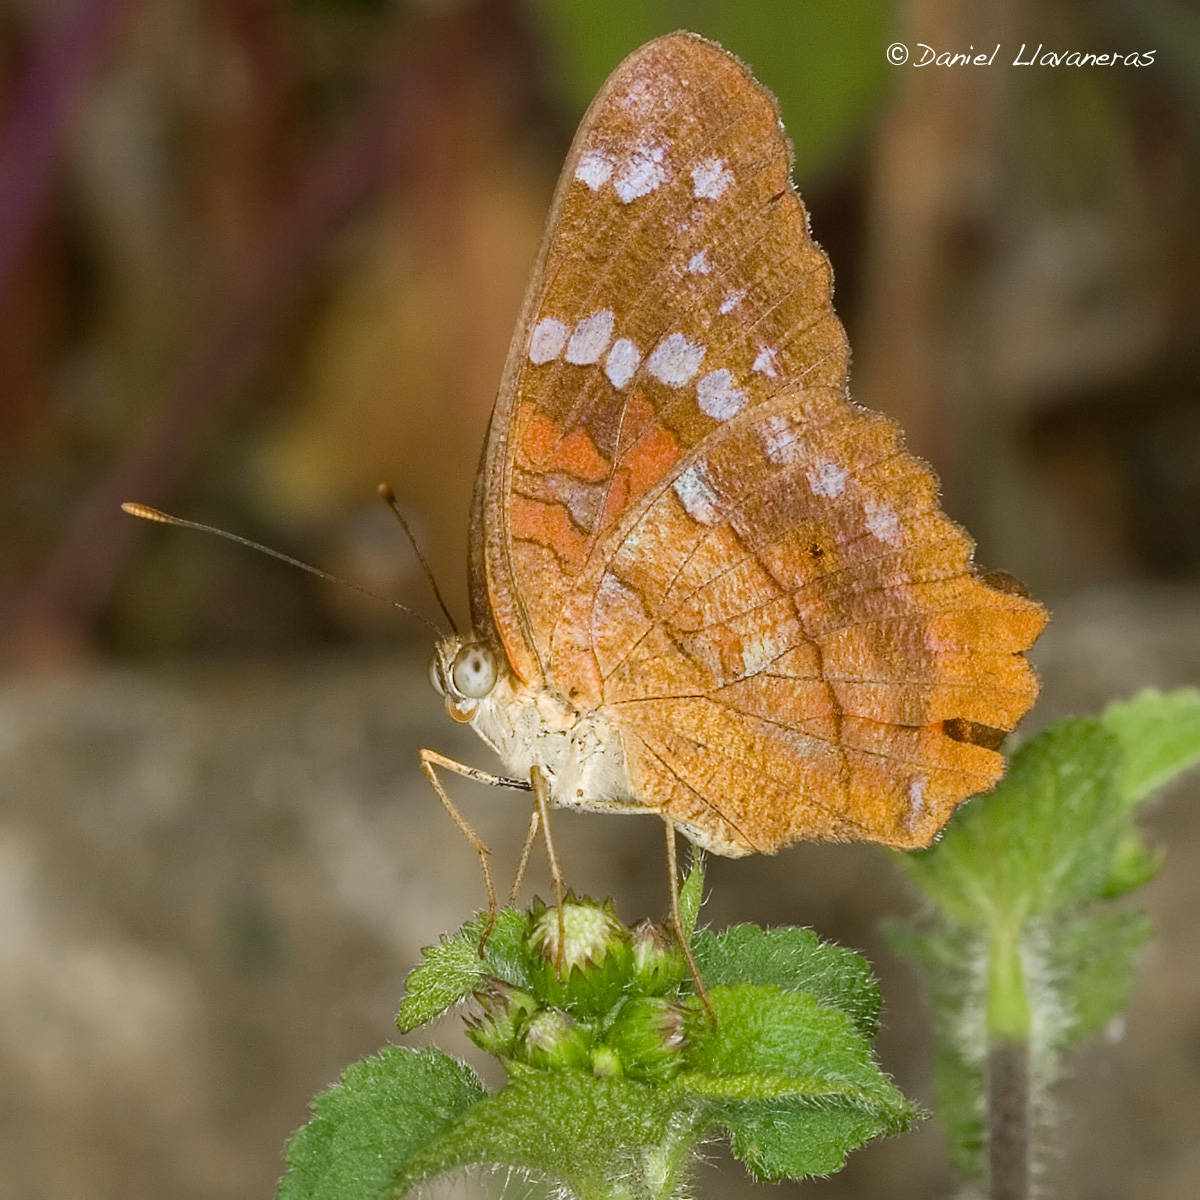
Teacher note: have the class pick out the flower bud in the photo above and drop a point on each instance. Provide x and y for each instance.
(649, 1037)
(595, 964)
(503, 1012)
(658, 963)
(552, 1040)
(606, 1062)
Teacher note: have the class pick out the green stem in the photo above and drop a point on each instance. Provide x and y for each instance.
(1009, 1024)
(1008, 1013)
(667, 1168)
(661, 1178)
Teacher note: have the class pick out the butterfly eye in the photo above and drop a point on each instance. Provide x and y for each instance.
(474, 672)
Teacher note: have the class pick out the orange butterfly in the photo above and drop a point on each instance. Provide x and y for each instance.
(703, 583)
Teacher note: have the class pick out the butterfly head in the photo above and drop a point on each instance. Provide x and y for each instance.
(464, 672)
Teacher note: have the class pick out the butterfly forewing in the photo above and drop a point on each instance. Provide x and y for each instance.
(677, 259)
(684, 521)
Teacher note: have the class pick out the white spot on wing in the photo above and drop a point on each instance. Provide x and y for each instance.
(583, 503)
(549, 337)
(623, 360)
(780, 441)
(636, 97)
(883, 523)
(916, 800)
(759, 651)
(675, 360)
(699, 264)
(644, 172)
(647, 91)
(764, 364)
(828, 480)
(698, 496)
(595, 169)
(896, 588)
(718, 397)
(612, 590)
(591, 338)
(937, 640)
(731, 302)
(712, 179)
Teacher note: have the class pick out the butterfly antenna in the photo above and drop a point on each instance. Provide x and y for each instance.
(152, 514)
(389, 498)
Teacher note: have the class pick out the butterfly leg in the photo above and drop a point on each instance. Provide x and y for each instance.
(431, 759)
(535, 819)
(677, 921)
(541, 796)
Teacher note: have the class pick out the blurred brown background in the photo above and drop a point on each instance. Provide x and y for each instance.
(257, 256)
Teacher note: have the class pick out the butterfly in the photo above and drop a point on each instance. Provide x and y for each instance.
(704, 584)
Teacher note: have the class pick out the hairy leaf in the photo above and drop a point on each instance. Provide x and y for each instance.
(794, 960)
(1042, 844)
(382, 1112)
(450, 971)
(691, 895)
(765, 1037)
(781, 1140)
(1159, 736)
(794, 1084)
(594, 1135)
(1095, 963)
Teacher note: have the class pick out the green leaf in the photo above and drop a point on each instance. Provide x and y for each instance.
(691, 895)
(959, 1083)
(793, 1083)
(1043, 843)
(1095, 961)
(794, 960)
(763, 1034)
(952, 960)
(454, 968)
(1159, 736)
(780, 1140)
(506, 952)
(383, 1111)
(1134, 864)
(448, 974)
(596, 1136)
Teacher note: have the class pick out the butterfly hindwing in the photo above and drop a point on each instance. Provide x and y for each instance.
(794, 637)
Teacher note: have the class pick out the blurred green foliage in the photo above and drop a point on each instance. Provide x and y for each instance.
(823, 59)
(1018, 944)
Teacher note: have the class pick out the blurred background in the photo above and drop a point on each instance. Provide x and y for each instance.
(257, 256)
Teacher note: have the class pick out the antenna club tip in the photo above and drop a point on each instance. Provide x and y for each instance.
(141, 510)
(386, 494)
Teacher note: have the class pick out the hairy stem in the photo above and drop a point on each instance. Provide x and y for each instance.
(1008, 1112)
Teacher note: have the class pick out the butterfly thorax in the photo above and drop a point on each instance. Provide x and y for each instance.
(578, 750)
